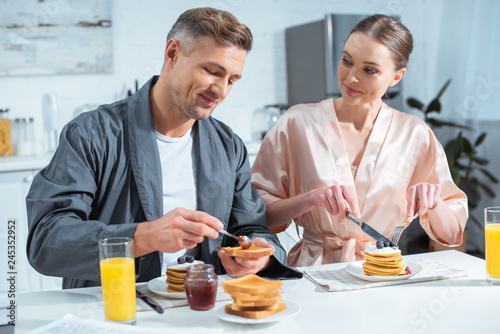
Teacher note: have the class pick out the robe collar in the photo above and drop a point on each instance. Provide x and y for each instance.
(340, 159)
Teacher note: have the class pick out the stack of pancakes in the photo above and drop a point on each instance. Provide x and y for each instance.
(254, 297)
(386, 261)
(175, 276)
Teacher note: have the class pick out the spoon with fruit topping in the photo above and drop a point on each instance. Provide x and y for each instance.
(244, 241)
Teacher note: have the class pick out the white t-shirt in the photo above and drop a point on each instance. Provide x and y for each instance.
(178, 177)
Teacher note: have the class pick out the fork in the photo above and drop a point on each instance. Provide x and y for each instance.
(398, 230)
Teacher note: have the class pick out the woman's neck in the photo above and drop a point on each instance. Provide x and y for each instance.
(360, 116)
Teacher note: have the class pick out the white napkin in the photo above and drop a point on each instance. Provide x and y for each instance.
(73, 324)
(169, 302)
(340, 280)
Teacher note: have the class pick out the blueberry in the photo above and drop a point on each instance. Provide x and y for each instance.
(387, 244)
(380, 245)
(181, 260)
(189, 258)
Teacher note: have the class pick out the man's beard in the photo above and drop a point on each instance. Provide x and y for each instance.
(190, 108)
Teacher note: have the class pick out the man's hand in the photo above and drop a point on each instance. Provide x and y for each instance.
(176, 230)
(244, 266)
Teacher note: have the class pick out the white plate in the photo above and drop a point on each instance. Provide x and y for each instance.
(291, 310)
(356, 270)
(158, 285)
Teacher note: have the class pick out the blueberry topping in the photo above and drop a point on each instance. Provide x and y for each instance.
(387, 244)
(380, 245)
(189, 258)
(181, 260)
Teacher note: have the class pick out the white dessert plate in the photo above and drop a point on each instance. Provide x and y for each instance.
(291, 310)
(356, 270)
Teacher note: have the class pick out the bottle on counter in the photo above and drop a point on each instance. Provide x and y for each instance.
(23, 131)
(50, 121)
(5, 138)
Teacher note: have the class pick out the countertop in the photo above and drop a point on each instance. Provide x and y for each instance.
(28, 162)
(39, 161)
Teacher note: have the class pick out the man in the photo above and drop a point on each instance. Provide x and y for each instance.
(156, 167)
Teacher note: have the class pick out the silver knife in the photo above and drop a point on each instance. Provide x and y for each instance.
(370, 230)
(150, 301)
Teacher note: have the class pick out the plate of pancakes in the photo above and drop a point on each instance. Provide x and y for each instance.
(171, 285)
(356, 270)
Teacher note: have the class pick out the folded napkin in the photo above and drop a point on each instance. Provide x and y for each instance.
(340, 280)
(166, 302)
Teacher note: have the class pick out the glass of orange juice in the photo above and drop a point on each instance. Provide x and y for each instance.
(116, 260)
(492, 244)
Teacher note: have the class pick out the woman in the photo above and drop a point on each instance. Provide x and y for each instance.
(355, 153)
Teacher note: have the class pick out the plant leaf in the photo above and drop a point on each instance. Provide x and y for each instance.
(466, 145)
(453, 148)
(480, 161)
(480, 139)
(433, 122)
(489, 175)
(434, 106)
(414, 103)
(455, 174)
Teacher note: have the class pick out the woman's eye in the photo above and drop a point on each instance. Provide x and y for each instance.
(346, 61)
(370, 71)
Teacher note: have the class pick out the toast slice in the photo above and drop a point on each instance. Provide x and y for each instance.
(259, 303)
(254, 314)
(250, 284)
(237, 307)
(253, 252)
(252, 297)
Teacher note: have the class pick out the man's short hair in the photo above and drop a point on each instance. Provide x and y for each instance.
(221, 25)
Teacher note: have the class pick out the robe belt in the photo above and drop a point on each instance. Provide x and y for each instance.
(333, 242)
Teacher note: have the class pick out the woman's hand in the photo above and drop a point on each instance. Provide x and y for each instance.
(423, 196)
(336, 200)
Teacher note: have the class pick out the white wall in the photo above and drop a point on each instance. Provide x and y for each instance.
(139, 31)
(140, 27)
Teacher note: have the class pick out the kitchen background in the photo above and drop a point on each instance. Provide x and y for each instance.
(457, 40)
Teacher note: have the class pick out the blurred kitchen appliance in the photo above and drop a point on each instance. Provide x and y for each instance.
(313, 51)
(263, 119)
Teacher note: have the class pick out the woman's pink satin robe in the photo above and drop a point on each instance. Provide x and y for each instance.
(305, 151)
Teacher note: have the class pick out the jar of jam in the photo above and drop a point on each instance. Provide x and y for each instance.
(200, 283)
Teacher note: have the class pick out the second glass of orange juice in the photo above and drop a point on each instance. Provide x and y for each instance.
(492, 244)
(116, 261)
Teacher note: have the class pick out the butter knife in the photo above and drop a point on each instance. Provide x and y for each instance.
(370, 230)
(150, 301)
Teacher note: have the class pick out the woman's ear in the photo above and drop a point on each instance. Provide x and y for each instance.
(398, 76)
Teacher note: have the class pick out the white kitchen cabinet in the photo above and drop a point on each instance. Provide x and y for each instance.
(16, 175)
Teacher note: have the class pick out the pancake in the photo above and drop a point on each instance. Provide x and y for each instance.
(386, 261)
(176, 274)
